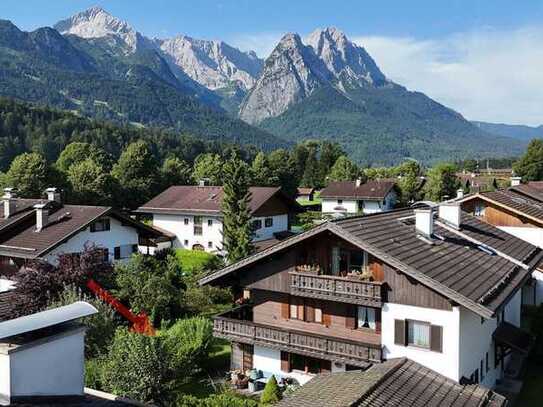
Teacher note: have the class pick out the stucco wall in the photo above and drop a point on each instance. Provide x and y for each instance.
(5, 379)
(118, 235)
(531, 235)
(348, 205)
(52, 368)
(176, 224)
(268, 360)
(351, 205)
(445, 362)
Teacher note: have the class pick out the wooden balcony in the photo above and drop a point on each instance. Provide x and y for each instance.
(343, 289)
(323, 347)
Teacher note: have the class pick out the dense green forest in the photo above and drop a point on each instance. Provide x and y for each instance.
(96, 80)
(384, 126)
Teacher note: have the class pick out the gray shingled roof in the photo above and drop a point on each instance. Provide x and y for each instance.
(522, 204)
(455, 264)
(394, 383)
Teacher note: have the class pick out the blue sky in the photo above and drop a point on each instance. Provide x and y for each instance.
(482, 58)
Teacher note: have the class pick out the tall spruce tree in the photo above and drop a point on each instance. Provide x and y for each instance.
(237, 228)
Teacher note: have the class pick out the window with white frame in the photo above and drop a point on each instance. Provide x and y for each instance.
(418, 334)
(198, 226)
(366, 318)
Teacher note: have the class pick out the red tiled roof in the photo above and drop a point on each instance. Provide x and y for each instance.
(375, 190)
(205, 199)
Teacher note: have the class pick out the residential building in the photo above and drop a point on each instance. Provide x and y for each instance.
(352, 197)
(394, 383)
(45, 228)
(42, 360)
(517, 210)
(306, 194)
(193, 215)
(435, 285)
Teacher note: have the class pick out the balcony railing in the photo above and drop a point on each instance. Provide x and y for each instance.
(344, 289)
(323, 347)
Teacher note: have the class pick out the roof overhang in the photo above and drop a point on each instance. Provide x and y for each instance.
(340, 232)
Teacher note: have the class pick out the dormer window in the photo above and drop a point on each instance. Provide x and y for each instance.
(100, 225)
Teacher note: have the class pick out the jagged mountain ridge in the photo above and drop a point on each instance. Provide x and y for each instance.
(88, 76)
(214, 65)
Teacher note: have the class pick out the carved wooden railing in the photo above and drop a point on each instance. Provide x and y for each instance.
(334, 288)
(294, 341)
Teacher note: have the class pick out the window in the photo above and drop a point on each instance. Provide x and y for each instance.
(210, 245)
(186, 221)
(197, 226)
(418, 334)
(268, 222)
(479, 210)
(305, 310)
(185, 242)
(340, 201)
(366, 318)
(100, 225)
(257, 224)
(210, 222)
(124, 251)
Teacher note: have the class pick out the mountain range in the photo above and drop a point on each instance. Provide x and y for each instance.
(321, 87)
(516, 131)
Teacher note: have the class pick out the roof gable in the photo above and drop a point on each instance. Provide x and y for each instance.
(457, 266)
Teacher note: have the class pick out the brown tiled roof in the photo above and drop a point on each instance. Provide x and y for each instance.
(394, 383)
(371, 190)
(305, 191)
(531, 190)
(23, 207)
(22, 240)
(205, 199)
(454, 265)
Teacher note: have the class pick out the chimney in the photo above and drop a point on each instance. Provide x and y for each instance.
(9, 202)
(42, 216)
(515, 181)
(451, 214)
(202, 183)
(42, 356)
(424, 221)
(358, 182)
(460, 194)
(53, 194)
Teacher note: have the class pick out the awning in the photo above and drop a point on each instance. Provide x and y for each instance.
(514, 338)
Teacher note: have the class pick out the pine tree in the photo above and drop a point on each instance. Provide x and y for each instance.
(237, 228)
(271, 393)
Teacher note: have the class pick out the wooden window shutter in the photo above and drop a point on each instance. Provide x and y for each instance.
(309, 311)
(285, 361)
(326, 317)
(436, 338)
(399, 332)
(350, 318)
(285, 309)
(301, 314)
(378, 320)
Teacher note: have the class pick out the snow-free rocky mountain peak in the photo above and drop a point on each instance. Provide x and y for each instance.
(295, 69)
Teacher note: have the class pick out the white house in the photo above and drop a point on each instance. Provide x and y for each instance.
(193, 215)
(352, 197)
(43, 229)
(435, 285)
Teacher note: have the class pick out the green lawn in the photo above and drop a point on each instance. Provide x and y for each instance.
(194, 260)
(306, 202)
(210, 381)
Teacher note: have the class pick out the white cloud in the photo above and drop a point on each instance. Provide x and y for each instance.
(485, 75)
(261, 43)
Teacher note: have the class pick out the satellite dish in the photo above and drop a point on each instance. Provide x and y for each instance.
(46, 319)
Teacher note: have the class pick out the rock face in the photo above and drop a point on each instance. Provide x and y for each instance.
(213, 64)
(97, 23)
(295, 70)
(291, 73)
